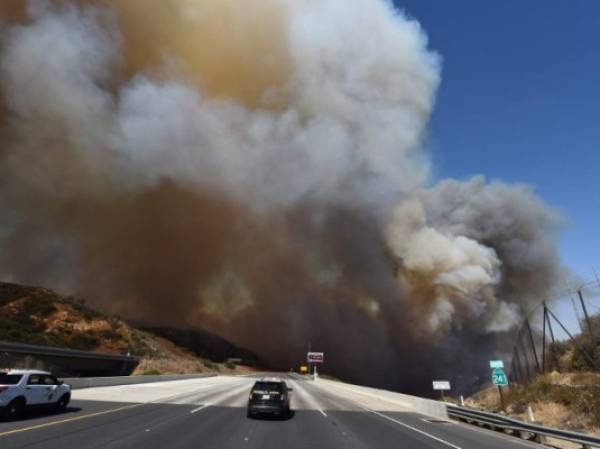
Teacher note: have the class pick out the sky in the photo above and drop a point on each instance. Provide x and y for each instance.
(520, 102)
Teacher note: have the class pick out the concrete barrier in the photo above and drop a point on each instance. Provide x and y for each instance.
(429, 407)
(77, 383)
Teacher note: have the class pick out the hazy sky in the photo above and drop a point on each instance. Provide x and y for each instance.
(520, 101)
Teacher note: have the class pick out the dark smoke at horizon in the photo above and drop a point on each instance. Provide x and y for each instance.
(262, 174)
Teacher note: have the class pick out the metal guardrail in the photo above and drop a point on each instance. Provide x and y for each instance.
(536, 431)
(21, 348)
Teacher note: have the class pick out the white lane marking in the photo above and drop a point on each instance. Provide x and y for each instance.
(307, 397)
(412, 428)
(203, 406)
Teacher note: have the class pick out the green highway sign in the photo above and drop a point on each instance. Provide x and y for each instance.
(494, 364)
(499, 377)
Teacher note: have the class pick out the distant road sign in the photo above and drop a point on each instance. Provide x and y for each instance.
(495, 364)
(315, 357)
(443, 385)
(499, 377)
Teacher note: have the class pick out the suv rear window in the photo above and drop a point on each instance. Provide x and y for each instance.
(267, 387)
(10, 379)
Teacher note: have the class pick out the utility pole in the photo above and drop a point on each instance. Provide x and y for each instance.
(310, 365)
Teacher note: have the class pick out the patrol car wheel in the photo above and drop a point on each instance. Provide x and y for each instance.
(62, 403)
(15, 409)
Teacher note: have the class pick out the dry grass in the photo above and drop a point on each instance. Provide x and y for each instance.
(563, 400)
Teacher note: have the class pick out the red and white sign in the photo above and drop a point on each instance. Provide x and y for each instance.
(315, 357)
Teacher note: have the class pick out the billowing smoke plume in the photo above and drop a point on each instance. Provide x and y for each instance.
(257, 170)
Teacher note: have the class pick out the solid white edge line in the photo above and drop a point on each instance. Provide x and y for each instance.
(413, 428)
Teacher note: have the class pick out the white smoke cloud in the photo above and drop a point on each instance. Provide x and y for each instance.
(356, 112)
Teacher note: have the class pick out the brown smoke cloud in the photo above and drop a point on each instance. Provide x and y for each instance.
(260, 172)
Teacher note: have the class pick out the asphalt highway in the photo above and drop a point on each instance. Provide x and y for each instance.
(211, 413)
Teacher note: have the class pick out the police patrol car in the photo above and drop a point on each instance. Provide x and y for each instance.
(269, 395)
(25, 389)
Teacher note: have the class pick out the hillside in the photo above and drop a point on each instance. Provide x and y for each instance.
(40, 316)
(207, 345)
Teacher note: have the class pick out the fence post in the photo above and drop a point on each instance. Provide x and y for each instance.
(587, 317)
(553, 361)
(535, 356)
(544, 344)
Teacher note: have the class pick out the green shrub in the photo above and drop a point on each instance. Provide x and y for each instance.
(152, 372)
(210, 365)
(40, 306)
(115, 322)
(584, 357)
(78, 304)
(110, 334)
(230, 365)
(84, 342)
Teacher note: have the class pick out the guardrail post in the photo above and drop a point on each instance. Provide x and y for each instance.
(541, 439)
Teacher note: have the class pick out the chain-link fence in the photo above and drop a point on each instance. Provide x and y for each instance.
(562, 335)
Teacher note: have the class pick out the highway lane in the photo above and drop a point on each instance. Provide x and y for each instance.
(211, 413)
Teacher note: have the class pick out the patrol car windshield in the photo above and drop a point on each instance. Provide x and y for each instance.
(10, 379)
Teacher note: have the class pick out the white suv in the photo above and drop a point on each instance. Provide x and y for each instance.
(22, 389)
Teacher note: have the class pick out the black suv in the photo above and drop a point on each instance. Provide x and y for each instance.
(269, 396)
